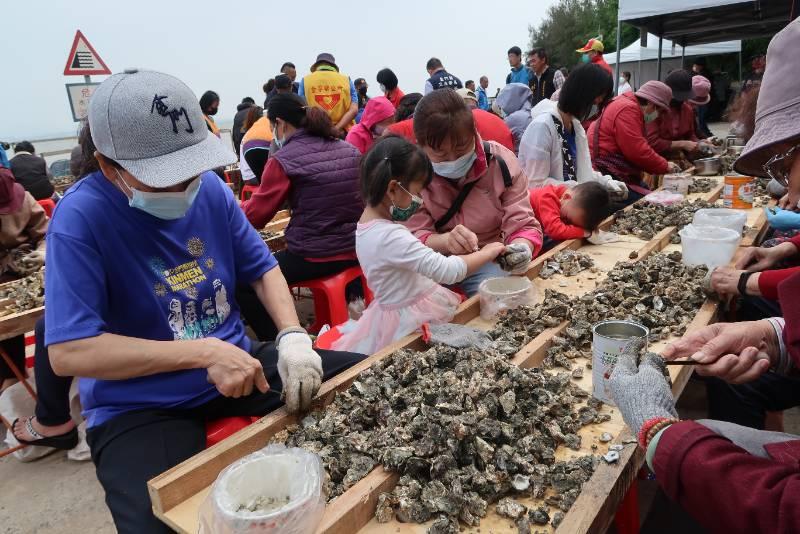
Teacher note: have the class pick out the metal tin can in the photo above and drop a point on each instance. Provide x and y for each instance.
(609, 339)
(738, 191)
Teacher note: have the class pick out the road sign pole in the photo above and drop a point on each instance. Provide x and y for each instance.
(87, 78)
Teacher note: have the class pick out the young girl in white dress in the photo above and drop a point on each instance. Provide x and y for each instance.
(403, 274)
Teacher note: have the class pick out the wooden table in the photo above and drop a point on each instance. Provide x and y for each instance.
(178, 493)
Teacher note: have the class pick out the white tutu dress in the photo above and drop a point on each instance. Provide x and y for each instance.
(404, 276)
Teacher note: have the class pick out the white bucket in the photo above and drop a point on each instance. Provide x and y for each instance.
(609, 339)
(708, 245)
(505, 293)
(721, 218)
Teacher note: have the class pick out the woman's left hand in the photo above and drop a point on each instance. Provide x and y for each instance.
(517, 257)
(725, 281)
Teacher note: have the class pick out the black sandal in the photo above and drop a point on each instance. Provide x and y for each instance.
(64, 442)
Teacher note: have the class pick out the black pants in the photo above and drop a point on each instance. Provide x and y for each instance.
(748, 404)
(52, 391)
(134, 447)
(15, 349)
(295, 269)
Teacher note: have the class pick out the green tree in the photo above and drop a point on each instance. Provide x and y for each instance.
(570, 23)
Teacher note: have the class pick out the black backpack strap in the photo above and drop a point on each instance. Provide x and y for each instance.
(462, 195)
(500, 161)
(457, 203)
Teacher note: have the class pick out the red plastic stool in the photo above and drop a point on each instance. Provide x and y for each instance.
(219, 429)
(48, 206)
(30, 339)
(247, 192)
(330, 301)
(627, 517)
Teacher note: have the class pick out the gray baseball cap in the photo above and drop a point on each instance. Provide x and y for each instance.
(151, 124)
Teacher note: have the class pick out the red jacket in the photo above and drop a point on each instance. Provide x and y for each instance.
(599, 60)
(726, 488)
(394, 96)
(489, 126)
(622, 133)
(672, 125)
(768, 280)
(546, 204)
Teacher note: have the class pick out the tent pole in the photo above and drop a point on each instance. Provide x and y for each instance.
(619, 45)
(683, 56)
(660, 47)
(740, 66)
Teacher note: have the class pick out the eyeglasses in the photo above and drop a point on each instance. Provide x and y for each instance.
(777, 167)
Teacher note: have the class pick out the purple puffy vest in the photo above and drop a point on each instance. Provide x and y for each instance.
(325, 199)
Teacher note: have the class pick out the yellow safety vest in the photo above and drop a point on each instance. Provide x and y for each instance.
(329, 90)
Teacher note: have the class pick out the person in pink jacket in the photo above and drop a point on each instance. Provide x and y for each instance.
(378, 114)
(478, 194)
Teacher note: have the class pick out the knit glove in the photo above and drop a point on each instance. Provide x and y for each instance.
(516, 258)
(775, 189)
(459, 336)
(35, 258)
(641, 394)
(782, 219)
(750, 439)
(300, 369)
(617, 191)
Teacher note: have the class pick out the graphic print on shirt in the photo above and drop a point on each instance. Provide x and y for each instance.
(190, 316)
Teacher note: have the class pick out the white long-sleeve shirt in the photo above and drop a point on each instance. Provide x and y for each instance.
(398, 266)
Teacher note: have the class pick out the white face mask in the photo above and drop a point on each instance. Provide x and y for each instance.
(383, 88)
(165, 205)
(622, 81)
(456, 169)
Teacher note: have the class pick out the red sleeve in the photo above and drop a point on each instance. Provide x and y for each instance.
(768, 281)
(634, 145)
(723, 486)
(795, 241)
(546, 203)
(659, 144)
(790, 307)
(267, 200)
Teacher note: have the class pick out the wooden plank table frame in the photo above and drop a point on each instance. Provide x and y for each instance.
(177, 493)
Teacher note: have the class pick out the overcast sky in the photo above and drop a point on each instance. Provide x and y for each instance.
(233, 47)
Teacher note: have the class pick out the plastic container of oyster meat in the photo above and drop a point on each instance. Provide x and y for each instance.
(721, 218)
(274, 490)
(708, 245)
(505, 293)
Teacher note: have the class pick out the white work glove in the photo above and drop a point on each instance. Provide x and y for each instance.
(617, 190)
(600, 237)
(300, 369)
(34, 258)
(516, 258)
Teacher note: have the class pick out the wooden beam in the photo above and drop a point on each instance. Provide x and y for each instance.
(19, 323)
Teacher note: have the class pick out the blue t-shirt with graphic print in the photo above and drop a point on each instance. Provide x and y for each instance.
(116, 269)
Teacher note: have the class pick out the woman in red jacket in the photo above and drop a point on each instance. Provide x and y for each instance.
(617, 138)
(759, 471)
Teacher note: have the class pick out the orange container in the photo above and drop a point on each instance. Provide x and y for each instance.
(738, 192)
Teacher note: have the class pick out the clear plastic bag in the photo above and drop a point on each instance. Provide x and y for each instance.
(274, 473)
(663, 197)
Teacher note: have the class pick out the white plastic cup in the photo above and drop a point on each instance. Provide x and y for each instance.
(721, 218)
(609, 339)
(505, 293)
(708, 245)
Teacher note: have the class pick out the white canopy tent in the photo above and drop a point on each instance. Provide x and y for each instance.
(642, 60)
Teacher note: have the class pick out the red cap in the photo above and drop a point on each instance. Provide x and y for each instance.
(592, 44)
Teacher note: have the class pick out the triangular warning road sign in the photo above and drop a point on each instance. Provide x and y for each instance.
(83, 59)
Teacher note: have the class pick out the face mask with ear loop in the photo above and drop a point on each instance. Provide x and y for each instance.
(167, 206)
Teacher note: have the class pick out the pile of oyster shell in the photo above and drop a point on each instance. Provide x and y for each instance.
(465, 428)
(645, 219)
(567, 262)
(701, 185)
(266, 235)
(23, 294)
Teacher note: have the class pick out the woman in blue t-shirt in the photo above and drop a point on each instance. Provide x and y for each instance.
(143, 258)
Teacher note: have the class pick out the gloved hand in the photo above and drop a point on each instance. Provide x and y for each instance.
(601, 237)
(749, 439)
(641, 394)
(617, 190)
(300, 369)
(34, 258)
(782, 219)
(516, 258)
(459, 336)
(775, 189)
